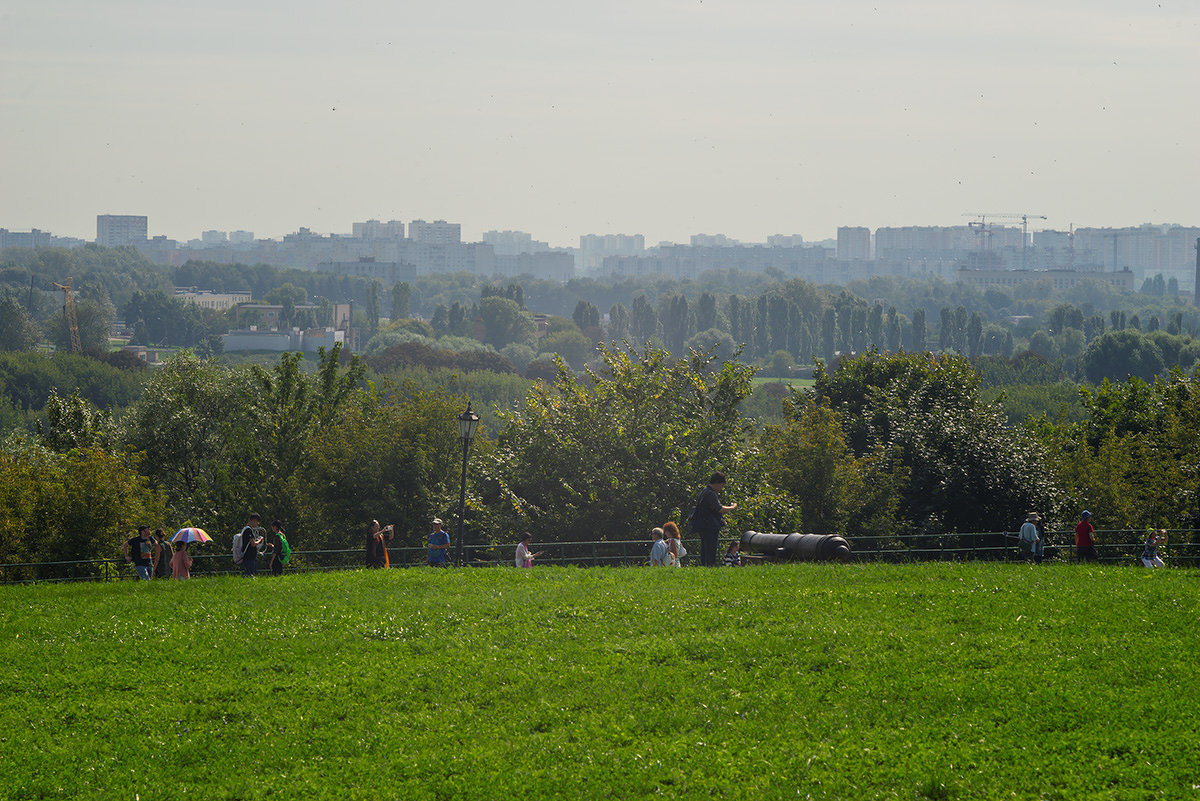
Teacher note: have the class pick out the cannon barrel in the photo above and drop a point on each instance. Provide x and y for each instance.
(807, 547)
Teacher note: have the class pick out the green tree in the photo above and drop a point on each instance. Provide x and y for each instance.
(72, 422)
(586, 315)
(392, 455)
(610, 455)
(833, 491)
(401, 300)
(180, 424)
(94, 318)
(618, 323)
(504, 322)
(77, 505)
(963, 469)
(571, 345)
(918, 330)
(17, 329)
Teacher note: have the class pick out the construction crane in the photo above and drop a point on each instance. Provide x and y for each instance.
(69, 314)
(985, 233)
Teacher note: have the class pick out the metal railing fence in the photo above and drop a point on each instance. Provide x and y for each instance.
(1123, 546)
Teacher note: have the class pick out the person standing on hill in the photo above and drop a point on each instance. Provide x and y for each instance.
(143, 552)
(1029, 535)
(1039, 546)
(675, 549)
(181, 563)
(1085, 541)
(377, 539)
(252, 540)
(438, 545)
(281, 551)
(708, 518)
(659, 550)
(523, 556)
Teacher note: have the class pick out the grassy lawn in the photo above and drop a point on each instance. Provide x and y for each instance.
(798, 383)
(789, 681)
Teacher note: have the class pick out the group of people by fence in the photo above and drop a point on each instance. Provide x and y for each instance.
(252, 545)
(1033, 539)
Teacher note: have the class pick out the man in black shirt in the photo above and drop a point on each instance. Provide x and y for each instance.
(709, 518)
(252, 540)
(143, 552)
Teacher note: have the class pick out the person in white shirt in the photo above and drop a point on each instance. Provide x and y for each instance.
(524, 558)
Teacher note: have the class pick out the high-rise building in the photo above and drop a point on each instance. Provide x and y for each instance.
(374, 229)
(595, 248)
(438, 232)
(785, 241)
(113, 230)
(853, 243)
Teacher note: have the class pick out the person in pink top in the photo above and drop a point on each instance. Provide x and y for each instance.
(181, 563)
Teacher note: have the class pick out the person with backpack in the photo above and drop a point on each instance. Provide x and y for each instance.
(281, 552)
(708, 518)
(246, 544)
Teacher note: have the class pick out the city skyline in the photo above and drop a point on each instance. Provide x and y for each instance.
(659, 118)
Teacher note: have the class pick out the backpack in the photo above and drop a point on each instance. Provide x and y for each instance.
(238, 550)
(286, 550)
(698, 517)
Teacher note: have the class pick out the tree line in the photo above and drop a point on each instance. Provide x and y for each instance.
(885, 449)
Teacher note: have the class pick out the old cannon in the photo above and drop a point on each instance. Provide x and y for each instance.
(804, 547)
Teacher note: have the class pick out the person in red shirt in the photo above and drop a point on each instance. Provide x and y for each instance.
(1085, 543)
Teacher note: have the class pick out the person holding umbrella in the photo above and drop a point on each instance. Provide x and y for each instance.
(181, 563)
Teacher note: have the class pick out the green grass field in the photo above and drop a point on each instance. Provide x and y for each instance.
(789, 681)
(796, 383)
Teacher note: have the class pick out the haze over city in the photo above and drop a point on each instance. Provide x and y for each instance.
(658, 117)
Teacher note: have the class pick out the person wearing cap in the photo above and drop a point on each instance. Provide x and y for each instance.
(1085, 542)
(439, 544)
(1029, 534)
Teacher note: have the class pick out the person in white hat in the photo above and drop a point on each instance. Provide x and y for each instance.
(439, 545)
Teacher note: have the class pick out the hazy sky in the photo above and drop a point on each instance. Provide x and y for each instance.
(560, 118)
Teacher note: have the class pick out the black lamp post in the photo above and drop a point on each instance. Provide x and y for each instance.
(468, 421)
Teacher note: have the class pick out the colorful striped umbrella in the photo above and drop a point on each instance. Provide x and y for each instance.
(191, 535)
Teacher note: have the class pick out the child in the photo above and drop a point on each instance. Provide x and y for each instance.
(181, 563)
(733, 554)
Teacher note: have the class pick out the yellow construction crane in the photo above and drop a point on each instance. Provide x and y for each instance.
(69, 314)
